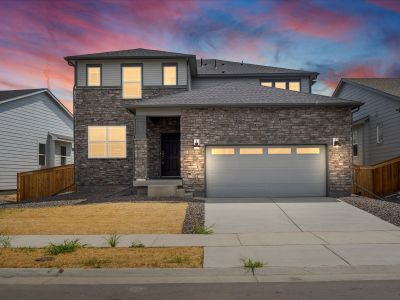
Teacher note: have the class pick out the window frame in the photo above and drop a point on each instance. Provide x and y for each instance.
(379, 133)
(355, 143)
(141, 79)
(87, 74)
(162, 73)
(286, 81)
(106, 141)
(42, 154)
(63, 156)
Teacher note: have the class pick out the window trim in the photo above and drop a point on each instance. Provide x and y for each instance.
(273, 81)
(107, 141)
(39, 154)
(122, 79)
(355, 143)
(87, 73)
(174, 64)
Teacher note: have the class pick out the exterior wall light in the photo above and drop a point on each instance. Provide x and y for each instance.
(196, 143)
(336, 142)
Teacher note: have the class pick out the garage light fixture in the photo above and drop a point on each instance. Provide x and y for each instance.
(196, 143)
(336, 142)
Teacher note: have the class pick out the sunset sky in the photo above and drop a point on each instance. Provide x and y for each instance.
(337, 38)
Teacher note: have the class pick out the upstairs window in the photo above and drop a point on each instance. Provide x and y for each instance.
(63, 150)
(107, 141)
(170, 74)
(93, 75)
(132, 82)
(293, 85)
(42, 155)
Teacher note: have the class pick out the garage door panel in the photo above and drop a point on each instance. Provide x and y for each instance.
(264, 175)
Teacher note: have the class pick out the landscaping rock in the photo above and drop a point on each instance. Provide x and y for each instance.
(386, 210)
(194, 216)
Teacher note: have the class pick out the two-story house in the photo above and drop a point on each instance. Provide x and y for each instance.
(376, 125)
(216, 128)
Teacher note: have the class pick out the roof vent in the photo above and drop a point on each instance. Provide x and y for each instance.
(215, 64)
(223, 71)
(201, 61)
(241, 63)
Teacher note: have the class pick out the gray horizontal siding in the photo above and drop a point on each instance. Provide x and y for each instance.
(23, 124)
(201, 83)
(152, 71)
(379, 108)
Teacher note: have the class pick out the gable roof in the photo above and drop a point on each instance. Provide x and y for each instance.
(136, 53)
(12, 95)
(242, 94)
(386, 86)
(224, 68)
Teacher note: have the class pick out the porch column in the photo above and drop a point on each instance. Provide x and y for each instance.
(140, 148)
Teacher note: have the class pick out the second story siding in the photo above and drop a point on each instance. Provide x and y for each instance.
(152, 71)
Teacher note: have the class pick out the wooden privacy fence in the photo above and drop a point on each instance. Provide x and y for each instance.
(377, 180)
(45, 182)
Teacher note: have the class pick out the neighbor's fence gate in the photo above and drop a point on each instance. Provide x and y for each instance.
(45, 182)
(380, 179)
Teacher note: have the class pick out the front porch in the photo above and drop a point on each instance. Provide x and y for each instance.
(158, 154)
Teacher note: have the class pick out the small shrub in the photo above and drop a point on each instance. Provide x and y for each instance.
(94, 262)
(252, 264)
(136, 245)
(179, 259)
(66, 247)
(113, 240)
(5, 241)
(201, 229)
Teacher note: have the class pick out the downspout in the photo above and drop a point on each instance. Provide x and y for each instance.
(73, 107)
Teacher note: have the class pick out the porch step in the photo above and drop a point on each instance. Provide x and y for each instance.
(175, 182)
(160, 187)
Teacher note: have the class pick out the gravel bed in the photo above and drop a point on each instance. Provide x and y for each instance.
(386, 210)
(194, 216)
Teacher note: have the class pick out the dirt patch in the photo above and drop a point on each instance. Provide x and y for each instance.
(104, 218)
(181, 257)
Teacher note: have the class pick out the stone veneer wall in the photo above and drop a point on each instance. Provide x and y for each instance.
(105, 106)
(156, 126)
(316, 125)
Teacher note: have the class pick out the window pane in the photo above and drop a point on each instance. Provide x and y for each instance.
(222, 151)
(280, 85)
(294, 86)
(132, 90)
(97, 133)
(93, 74)
(169, 75)
(116, 149)
(265, 83)
(251, 150)
(42, 160)
(307, 150)
(116, 133)
(132, 74)
(63, 160)
(279, 150)
(42, 148)
(63, 150)
(97, 149)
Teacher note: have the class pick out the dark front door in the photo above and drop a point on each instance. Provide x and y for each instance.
(170, 154)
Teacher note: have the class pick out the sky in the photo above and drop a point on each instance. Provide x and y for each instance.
(337, 38)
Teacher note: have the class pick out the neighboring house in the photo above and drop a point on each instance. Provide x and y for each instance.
(376, 125)
(36, 131)
(224, 129)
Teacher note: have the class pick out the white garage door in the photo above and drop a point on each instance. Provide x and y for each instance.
(265, 171)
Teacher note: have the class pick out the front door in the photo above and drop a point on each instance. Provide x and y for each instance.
(170, 154)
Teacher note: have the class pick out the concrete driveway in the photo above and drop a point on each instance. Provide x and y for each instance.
(297, 232)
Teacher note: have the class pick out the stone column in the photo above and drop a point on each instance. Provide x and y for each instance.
(140, 148)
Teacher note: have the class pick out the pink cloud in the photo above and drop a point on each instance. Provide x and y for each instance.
(354, 71)
(310, 19)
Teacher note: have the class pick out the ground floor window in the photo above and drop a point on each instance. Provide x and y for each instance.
(63, 151)
(42, 154)
(107, 141)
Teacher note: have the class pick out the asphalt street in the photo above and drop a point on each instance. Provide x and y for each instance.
(365, 290)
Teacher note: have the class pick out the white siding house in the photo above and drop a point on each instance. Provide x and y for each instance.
(36, 131)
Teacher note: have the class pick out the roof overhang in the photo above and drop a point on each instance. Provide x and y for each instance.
(61, 138)
(312, 76)
(361, 121)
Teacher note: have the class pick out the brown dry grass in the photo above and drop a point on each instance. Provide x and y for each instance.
(192, 257)
(105, 218)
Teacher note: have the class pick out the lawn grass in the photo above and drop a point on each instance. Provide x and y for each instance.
(105, 218)
(189, 257)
